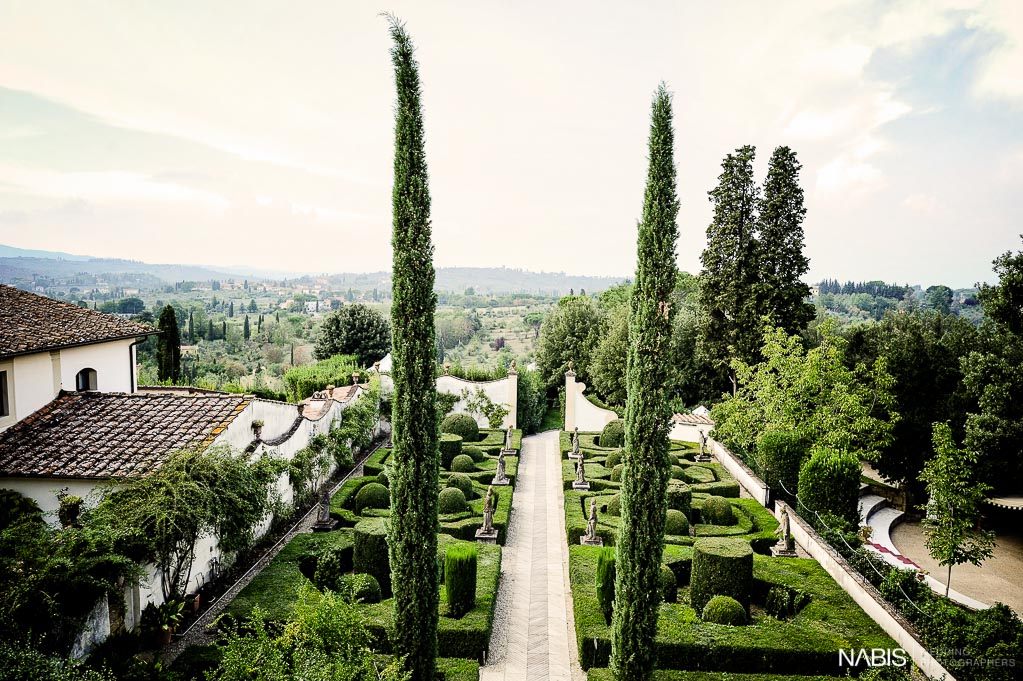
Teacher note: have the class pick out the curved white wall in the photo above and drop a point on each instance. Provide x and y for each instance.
(580, 412)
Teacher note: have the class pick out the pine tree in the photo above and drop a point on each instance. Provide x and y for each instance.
(729, 287)
(245, 328)
(168, 346)
(782, 263)
(645, 474)
(412, 537)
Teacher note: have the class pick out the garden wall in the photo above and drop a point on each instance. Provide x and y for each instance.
(756, 487)
(580, 412)
(503, 391)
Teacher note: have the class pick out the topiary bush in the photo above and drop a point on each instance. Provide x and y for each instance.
(829, 482)
(676, 523)
(606, 581)
(722, 566)
(613, 434)
(614, 507)
(460, 578)
(724, 610)
(328, 572)
(717, 511)
(679, 496)
(450, 447)
(451, 500)
(463, 463)
(383, 479)
(613, 459)
(616, 473)
(677, 473)
(782, 454)
(475, 453)
(461, 481)
(462, 425)
(373, 495)
(370, 552)
(361, 588)
(669, 587)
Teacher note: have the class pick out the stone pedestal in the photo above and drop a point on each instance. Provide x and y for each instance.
(575, 457)
(486, 537)
(500, 482)
(328, 525)
(782, 551)
(509, 452)
(591, 542)
(581, 486)
(703, 458)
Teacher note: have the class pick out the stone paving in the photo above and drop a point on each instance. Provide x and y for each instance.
(534, 636)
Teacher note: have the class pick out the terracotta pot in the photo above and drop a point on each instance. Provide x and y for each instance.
(163, 638)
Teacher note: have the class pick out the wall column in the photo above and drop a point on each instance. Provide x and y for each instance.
(570, 395)
(513, 395)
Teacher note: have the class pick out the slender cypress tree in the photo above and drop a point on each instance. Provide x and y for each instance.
(246, 332)
(647, 415)
(230, 312)
(191, 328)
(168, 346)
(781, 258)
(412, 536)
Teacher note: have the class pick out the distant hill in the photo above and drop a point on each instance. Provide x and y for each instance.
(12, 252)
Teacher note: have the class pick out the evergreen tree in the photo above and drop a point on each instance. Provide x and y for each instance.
(781, 259)
(246, 333)
(168, 346)
(230, 310)
(223, 330)
(191, 327)
(647, 415)
(729, 279)
(412, 536)
(354, 330)
(209, 331)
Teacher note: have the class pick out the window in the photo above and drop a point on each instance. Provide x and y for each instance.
(5, 400)
(85, 380)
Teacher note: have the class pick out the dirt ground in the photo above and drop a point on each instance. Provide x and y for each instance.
(1000, 578)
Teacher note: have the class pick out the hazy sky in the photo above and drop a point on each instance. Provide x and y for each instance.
(261, 133)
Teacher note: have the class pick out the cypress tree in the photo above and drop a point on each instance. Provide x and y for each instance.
(647, 415)
(209, 330)
(782, 262)
(412, 537)
(245, 328)
(230, 312)
(223, 330)
(168, 346)
(191, 328)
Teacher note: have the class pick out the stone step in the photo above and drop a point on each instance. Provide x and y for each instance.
(870, 503)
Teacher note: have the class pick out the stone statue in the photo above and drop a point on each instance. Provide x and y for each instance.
(575, 446)
(703, 442)
(784, 534)
(508, 438)
(323, 513)
(488, 512)
(591, 523)
(501, 477)
(580, 472)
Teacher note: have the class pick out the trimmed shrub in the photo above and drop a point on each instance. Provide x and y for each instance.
(362, 588)
(463, 463)
(328, 573)
(722, 566)
(679, 496)
(717, 511)
(829, 482)
(613, 459)
(676, 523)
(373, 495)
(616, 473)
(724, 610)
(475, 453)
(782, 453)
(462, 425)
(461, 481)
(613, 434)
(460, 579)
(383, 480)
(370, 552)
(451, 500)
(698, 475)
(450, 447)
(606, 581)
(669, 587)
(677, 473)
(614, 507)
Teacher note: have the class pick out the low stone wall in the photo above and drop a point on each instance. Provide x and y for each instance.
(756, 487)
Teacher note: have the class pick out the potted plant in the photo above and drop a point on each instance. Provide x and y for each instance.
(257, 428)
(162, 621)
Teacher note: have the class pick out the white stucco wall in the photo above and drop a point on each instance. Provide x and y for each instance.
(34, 384)
(740, 471)
(502, 391)
(685, 432)
(44, 491)
(580, 412)
(114, 366)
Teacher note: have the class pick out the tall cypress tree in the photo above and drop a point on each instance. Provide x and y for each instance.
(246, 332)
(781, 258)
(647, 415)
(191, 328)
(168, 346)
(730, 289)
(412, 537)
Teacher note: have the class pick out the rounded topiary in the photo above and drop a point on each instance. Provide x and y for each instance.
(614, 507)
(369, 552)
(373, 495)
(679, 496)
(463, 463)
(724, 610)
(669, 588)
(722, 566)
(613, 434)
(451, 500)
(677, 473)
(383, 479)
(362, 588)
(829, 482)
(605, 582)
(461, 481)
(328, 572)
(676, 523)
(616, 473)
(450, 447)
(462, 425)
(613, 459)
(460, 579)
(717, 511)
(475, 453)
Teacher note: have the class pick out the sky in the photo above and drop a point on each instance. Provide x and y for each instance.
(260, 133)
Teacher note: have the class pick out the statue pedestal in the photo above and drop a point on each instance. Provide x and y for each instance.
(501, 481)
(486, 537)
(328, 525)
(591, 542)
(703, 458)
(574, 457)
(782, 551)
(509, 452)
(581, 486)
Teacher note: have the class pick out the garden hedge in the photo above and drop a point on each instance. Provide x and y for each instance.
(370, 552)
(829, 482)
(724, 610)
(722, 566)
(363, 588)
(450, 447)
(613, 434)
(463, 463)
(676, 523)
(474, 453)
(372, 495)
(461, 481)
(613, 459)
(669, 585)
(451, 500)
(679, 496)
(460, 579)
(462, 425)
(717, 511)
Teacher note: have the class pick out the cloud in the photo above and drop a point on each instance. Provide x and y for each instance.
(849, 176)
(925, 204)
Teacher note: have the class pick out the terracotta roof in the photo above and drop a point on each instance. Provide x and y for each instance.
(692, 420)
(32, 323)
(107, 435)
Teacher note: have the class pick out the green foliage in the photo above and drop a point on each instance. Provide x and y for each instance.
(717, 511)
(168, 346)
(445, 403)
(616, 473)
(373, 495)
(356, 330)
(781, 453)
(569, 333)
(463, 463)
(606, 582)
(370, 551)
(460, 578)
(613, 459)
(475, 453)
(724, 610)
(608, 365)
(478, 403)
(614, 506)
(669, 586)
(361, 588)
(613, 434)
(451, 500)
(531, 401)
(462, 482)
(21, 663)
(679, 496)
(722, 566)
(308, 468)
(829, 483)
(303, 381)
(677, 523)
(15, 508)
(450, 447)
(462, 425)
(355, 431)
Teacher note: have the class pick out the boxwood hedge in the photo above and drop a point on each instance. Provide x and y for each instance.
(722, 566)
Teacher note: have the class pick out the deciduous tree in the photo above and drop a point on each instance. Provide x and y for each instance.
(354, 330)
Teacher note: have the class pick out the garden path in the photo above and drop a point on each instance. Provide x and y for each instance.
(534, 633)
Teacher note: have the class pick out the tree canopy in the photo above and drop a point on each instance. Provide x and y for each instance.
(354, 329)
